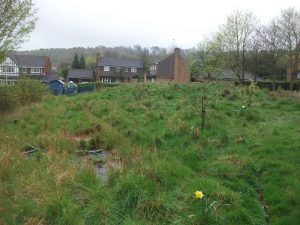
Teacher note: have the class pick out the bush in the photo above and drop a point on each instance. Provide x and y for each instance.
(278, 84)
(24, 92)
(27, 91)
(7, 100)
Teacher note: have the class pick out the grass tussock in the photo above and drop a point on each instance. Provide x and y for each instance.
(246, 158)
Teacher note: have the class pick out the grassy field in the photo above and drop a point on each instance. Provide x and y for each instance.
(246, 160)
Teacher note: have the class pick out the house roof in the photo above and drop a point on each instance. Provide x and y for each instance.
(56, 80)
(120, 62)
(80, 74)
(229, 75)
(46, 78)
(180, 51)
(29, 60)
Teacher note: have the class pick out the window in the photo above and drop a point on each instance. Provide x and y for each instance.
(24, 70)
(9, 69)
(133, 70)
(106, 68)
(107, 80)
(118, 68)
(125, 70)
(35, 70)
(153, 67)
(298, 75)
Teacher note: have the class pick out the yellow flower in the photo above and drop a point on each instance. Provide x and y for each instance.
(199, 194)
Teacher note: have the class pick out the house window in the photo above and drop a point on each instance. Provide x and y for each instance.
(107, 80)
(118, 68)
(106, 68)
(153, 67)
(24, 70)
(133, 70)
(125, 70)
(9, 69)
(298, 75)
(35, 70)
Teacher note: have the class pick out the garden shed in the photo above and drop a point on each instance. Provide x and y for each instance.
(57, 87)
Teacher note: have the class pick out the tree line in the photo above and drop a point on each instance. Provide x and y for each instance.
(243, 44)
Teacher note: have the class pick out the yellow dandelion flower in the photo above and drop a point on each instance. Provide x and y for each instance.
(199, 194)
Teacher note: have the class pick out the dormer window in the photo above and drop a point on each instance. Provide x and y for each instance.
(106, 68)
(36, 70)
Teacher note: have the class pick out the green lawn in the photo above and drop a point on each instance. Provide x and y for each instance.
(247, 161)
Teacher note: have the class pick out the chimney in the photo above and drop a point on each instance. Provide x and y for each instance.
(176, 64)
(97, 69)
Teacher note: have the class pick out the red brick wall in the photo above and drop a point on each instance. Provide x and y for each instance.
(47, 67)
(181, 69)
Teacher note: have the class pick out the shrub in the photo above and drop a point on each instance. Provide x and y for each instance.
(27, 91)
(24, 92)
(7, 100)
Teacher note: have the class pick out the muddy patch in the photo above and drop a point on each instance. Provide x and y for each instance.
(104, 161)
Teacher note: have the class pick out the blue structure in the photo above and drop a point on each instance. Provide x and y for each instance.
(57, 87)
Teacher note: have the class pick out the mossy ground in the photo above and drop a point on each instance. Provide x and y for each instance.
(247, 161)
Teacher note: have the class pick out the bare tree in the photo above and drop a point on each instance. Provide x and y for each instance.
(17, 20)
(289, 23)
(236, 35)
(254, 52)
(273, 45)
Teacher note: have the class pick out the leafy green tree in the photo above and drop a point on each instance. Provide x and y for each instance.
(82, 62)
(90, 62)
(64, 72)
(17, 21)
(76, 63)
(205, 60)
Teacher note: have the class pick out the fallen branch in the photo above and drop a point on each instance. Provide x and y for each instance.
(33, 149)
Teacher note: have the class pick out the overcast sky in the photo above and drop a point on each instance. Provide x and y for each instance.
(90, 23)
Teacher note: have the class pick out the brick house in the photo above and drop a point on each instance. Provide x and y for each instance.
(28, 65)
(173, 68)
(115, 70)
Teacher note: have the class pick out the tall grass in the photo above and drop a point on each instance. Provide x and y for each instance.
(249, 162)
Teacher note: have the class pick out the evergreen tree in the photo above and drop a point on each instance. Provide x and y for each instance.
(76, 63)
(82, 62)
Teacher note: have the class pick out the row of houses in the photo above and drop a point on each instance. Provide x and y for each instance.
(108, 70)
(174, 68)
